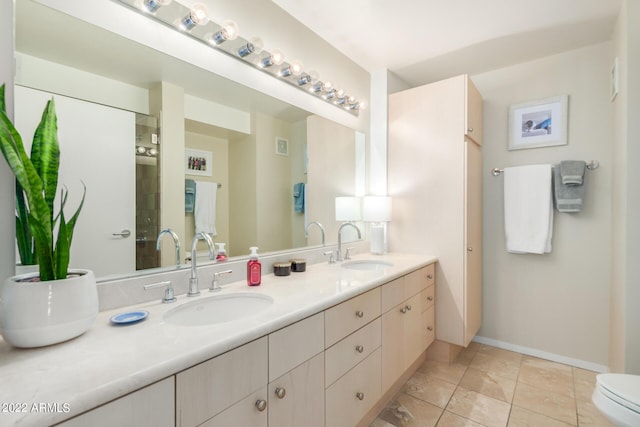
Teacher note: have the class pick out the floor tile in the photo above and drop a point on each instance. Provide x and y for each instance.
(500, 353)
(496, 365)
(550, 380)
(378, 422)
(430, 389)
(482, 409)
(467, 354)
(521, 417)
(489, 384)
(449, 419)
(547, 403)
(584, 383)
(589, 415)
(547, 365)
(451, 373)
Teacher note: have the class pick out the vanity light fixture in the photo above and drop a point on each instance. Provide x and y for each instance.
(254, 45)
(152, 6)
(198, 15)
(225, 37)
(276, 57)
(229, 31)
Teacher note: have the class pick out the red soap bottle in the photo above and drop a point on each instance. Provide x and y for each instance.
(254, 268)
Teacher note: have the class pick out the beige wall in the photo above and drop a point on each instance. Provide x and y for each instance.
(297, 150)
(555, 303)
(220, 156)
(242, 194)
(624, 343)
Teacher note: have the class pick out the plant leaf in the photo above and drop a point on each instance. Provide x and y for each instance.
(3, 106)
(62, 249)
(43, 248)
(24, 238)
(45, 153)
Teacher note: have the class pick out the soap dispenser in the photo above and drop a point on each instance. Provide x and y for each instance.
(254, 268)
(222, 252)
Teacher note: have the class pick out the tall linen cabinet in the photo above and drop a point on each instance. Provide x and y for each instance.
(435, 179)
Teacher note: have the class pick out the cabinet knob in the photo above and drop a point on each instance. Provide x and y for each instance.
(261, 405)
(470, 130)
(360, 395)
(429, 276)
(359, 348)
(430, 328)
(360, 313)
(403, 310)
(429, 298)
(281, 392)
(470, 249)
(408, 307)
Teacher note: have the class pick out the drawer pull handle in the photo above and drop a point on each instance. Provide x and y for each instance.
(360, 313)
(430, 328)
(429, 298)
(403, 310)
(408, 308)
(281, 392)
(360, 395)
(429, 276)
(470, 129)
(359, 348)
(261, 405)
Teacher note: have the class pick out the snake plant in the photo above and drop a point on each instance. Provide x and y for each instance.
(36, 188)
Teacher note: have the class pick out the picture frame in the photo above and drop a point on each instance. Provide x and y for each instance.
(541, 123)
(198, 162)
(282, 146)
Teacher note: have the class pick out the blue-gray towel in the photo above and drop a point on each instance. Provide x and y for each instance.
(569, 198)
(189, 195)
(298, 197)
(572, 171)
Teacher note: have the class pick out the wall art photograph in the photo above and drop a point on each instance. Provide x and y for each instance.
(198, 162)
(540, 123)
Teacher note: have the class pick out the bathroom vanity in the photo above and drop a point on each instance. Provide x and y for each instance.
(314, 357)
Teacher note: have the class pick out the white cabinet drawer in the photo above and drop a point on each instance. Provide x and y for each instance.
(392, 294)
(297, 398)
(212, 386)
(347, 353)
(427, 297)
(349, 398)
(151, 406)
(344, 318)
(418, 280)
(294, 344)
(245, 413)
(429, 326)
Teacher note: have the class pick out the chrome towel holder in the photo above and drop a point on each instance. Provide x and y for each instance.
(591, 165)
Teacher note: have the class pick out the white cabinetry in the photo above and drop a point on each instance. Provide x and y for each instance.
(435, 177)
(150, 406)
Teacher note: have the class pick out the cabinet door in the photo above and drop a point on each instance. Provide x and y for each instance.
(473, 127)
(297, 398)
(150, 406)
(412, 327)
(392, 345)
(428, 326)
(245, 413)
(473, 242)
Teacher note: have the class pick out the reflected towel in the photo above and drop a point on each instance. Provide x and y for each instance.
(298, 197)
(572, 171)
(205, 207)
(189, 195)
(528, 209)
(568, 197)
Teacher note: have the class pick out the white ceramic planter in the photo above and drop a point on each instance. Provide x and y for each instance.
(35, 314)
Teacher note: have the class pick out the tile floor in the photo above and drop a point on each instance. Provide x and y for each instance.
(487, 386)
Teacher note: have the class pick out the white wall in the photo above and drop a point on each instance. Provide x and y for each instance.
(555, 303)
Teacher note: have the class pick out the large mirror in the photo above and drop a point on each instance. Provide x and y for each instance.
(143, 130)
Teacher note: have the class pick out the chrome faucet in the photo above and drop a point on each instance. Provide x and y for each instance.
(193, 282)
(339, 254)
(176, 242)
(306, 230)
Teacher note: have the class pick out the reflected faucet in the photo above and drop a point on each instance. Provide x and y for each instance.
(339, 254)
(306, 230)
(176, 242)
(193, 282)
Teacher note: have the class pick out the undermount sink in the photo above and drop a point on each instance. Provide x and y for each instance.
(218, 309)
(367, 264)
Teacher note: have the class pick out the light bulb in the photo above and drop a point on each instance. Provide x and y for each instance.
(140, 149)
(198, 15)
(293, 69)
(327, 86)
(275, 58)
(229, 31)
(254, 45)
(152, 5)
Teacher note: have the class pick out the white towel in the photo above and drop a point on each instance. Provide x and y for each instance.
(205, 207)
(528, 209)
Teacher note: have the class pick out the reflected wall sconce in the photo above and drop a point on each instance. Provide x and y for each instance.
(377, 211)
(196, 23)
(348, 208)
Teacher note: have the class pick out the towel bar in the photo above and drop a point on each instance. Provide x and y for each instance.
(591, 165)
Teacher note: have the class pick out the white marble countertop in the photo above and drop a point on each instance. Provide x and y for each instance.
(110, 361)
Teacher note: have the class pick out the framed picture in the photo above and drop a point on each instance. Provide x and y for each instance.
(198, 162)
(538, 123)
(282, 146)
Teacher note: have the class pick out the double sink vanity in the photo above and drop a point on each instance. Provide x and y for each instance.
(325, 347)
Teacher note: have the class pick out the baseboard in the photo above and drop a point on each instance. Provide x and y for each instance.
(542, 354)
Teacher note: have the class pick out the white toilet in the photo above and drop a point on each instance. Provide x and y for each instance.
(617, 396)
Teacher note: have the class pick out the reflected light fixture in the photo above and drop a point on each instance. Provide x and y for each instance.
(348, 208)
(198, 15)
(293, 69)
(152, 5)
(377, 211)
(254, 45)
(308, 77)
(276, 57)
(229, 31)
